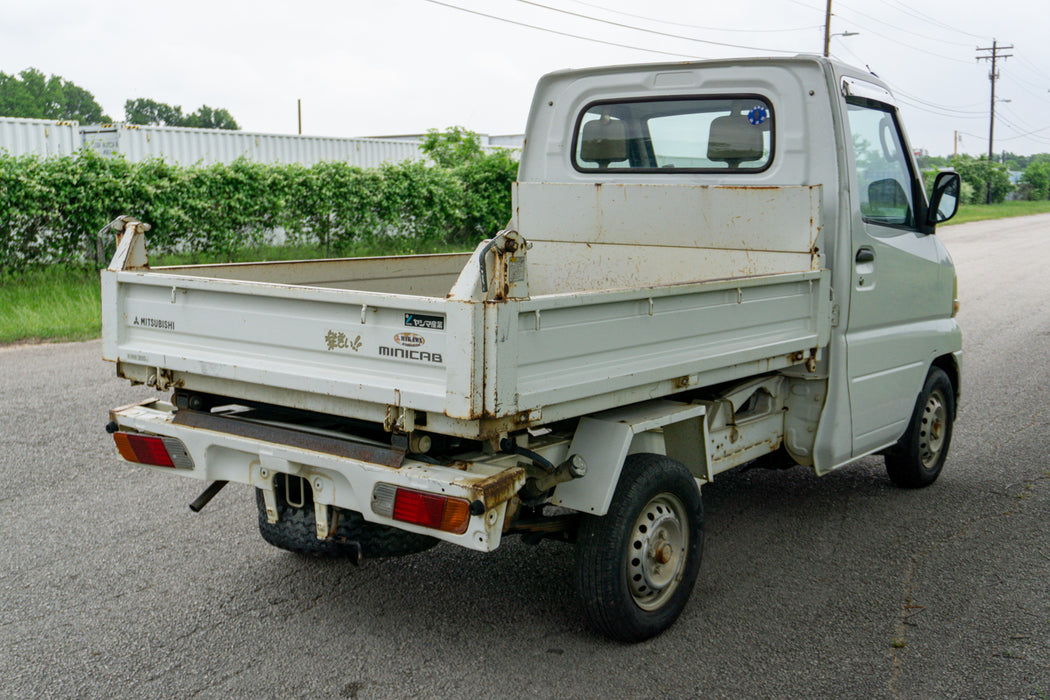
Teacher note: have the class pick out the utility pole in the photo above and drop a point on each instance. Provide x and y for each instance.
(993, 75)
(827, 29)
(300, 103)
(956, 154)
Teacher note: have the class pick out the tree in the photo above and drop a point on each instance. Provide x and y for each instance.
(928, 162)
(144, 111)
(452, 147)
(976, 172)
(1035, 183)
(32, 95)
(208, 118)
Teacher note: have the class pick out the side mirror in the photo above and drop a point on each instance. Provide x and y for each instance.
(945, 199)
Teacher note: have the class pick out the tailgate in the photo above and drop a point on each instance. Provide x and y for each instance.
(375, 348)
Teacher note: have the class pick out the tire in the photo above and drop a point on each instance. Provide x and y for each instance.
(917, 458)
(626, 592)
(296, 530)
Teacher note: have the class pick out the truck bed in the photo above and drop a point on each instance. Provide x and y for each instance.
(417, 339)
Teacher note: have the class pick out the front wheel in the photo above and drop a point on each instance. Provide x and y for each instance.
(636, 565)
(917, 458)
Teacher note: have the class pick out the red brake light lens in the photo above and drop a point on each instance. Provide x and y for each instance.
(153, 449)
(425, 509)
(420, 508)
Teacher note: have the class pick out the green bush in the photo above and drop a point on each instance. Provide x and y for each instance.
(52, 208)
(1035, 183)
(976, 172)
(486, 200)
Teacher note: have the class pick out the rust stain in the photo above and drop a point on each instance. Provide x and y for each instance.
(512, 513)
(497, 488)
(120, 409)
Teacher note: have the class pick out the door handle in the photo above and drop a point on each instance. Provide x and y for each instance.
(865, 255)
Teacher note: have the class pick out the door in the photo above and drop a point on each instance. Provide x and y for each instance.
(896, 298)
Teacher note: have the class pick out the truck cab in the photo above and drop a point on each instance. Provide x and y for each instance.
(768, 123)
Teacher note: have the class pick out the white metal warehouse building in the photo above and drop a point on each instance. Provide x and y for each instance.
(186, 146)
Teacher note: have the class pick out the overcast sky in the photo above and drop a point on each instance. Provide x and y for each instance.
(403, 66)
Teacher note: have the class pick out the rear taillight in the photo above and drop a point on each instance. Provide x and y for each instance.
(153, 449)
(420, 508)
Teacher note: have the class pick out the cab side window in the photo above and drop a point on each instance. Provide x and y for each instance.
(884, 178)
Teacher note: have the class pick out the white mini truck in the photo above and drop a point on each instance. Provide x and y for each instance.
(707, 264)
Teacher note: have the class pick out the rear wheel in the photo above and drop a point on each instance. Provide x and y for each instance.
(636, 565)
(296, 527)
(917, 458)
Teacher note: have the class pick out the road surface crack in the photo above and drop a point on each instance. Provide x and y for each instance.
(908, 608)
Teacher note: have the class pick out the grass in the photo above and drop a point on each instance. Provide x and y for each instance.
(983, 212)
(62, 303)
(56, 303)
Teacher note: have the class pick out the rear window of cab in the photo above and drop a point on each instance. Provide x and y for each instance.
(693, 135)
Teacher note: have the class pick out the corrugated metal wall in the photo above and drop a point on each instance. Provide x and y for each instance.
(43, 137)
(189, 146)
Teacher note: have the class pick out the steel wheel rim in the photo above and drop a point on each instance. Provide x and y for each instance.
(656, 551)
(933, 430)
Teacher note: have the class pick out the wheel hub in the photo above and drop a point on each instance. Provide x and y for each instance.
(664, 554)
(932, 430)
(657, 552)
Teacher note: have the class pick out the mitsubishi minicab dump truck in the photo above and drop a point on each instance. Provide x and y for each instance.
(707, 264)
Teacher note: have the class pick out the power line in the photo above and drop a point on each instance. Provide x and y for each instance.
(651, 31)
(887, 38)
(1029, 134)
(691, 26)
(559, 33)
(811, 7)
(1018, 129)
(915, 105)
(900, 7)
(1041, 96)
(1028, 65)
(946, 108)
(910, 46)
(902, 29)
(1029, 82)
(851, 53)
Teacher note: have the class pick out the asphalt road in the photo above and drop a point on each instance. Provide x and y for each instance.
(841, 586)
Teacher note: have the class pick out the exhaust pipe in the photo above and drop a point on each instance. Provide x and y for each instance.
(207, 495)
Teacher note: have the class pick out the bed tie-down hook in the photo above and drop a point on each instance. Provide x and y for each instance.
(509, 249)
(131, 249)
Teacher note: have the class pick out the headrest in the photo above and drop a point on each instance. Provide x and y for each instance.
(734, 139)
(603, 141)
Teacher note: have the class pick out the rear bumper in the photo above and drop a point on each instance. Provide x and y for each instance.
(341, 473)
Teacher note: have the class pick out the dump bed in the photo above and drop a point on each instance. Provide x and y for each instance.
(564, 317)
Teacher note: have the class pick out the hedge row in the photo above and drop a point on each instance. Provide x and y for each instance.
(52, 208)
